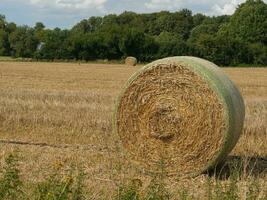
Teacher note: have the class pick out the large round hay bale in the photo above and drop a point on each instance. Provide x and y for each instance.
(131, 61)
(182, 114)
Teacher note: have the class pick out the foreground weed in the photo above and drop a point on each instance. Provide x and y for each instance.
(157, 191)
(253, 190)
(53, 188)
(10, 182)
(127, 193)
(58, 187)
(232, 189)
(157, 188)
(224, 192)
(184, 194)
(209, 189)
(78, 191)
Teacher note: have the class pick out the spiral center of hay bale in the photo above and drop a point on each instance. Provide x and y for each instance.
(163, 121)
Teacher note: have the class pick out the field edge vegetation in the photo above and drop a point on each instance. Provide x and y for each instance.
(239, 39)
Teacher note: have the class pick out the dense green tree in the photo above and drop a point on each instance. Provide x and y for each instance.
(184, 23)
(132, 43)
(229, 51)
(82, 27)
(10, 27)
(22, 41)
(3, 36)
(111, 38)
(203, 41)
(171, 45)
(39, 33)
(55, 45)
(138, 44)
(2, 21)
(90, 46)
(4, 44)
(258, 53)
(131, 20)
(202, 35)
(164, 21)
(180, 23)
(149, 50)
(110, 20)
(198, 19)
(39, 26)
(249, 22)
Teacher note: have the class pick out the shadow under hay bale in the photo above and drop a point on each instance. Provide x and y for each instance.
(181, 112)
(131, 61)
(241, 166)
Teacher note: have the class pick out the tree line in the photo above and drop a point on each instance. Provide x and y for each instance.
(226, 40)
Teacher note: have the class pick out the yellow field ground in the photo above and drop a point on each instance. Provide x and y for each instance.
(63, 114)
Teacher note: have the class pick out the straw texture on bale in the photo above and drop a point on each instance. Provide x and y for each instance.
(182, 114)
(131, 61)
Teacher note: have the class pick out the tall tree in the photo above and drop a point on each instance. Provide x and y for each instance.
(55, 45)
(23, 43)
(171, 44)
(249, 22)
(4, 44)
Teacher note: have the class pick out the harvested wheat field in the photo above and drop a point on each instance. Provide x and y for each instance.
(58, 115)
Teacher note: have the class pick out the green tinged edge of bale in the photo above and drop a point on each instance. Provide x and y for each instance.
(226, 90)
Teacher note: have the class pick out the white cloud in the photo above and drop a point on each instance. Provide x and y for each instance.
(210, 7)
(163, 4)
(228, 8)
(68, 4)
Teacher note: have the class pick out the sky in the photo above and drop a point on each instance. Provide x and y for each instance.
(66, 13)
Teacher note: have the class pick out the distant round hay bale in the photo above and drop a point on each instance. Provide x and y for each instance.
(182, 114)
(131, 61)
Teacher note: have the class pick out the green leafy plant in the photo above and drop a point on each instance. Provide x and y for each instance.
(10, 182)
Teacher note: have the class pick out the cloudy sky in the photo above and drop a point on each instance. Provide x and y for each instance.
(66, 13)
